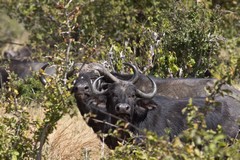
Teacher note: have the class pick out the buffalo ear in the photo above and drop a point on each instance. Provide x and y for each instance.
(147, 104)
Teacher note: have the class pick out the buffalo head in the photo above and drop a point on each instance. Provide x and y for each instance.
(123, 96)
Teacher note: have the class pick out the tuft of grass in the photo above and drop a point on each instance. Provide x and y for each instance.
(72, 140)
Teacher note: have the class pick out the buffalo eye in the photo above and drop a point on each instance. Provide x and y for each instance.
(115, 96)
(132, 96)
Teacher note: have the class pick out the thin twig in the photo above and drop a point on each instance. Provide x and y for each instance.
(42, 141)
(104, 122)
(116, 117)
(9, 42)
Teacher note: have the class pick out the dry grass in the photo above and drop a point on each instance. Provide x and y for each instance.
(73, 140)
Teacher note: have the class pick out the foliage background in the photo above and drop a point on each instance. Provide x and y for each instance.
(166, 38)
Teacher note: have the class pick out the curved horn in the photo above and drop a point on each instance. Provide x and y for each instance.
(45, 66)
(135, 76)
(106, 73)
(148, 95)
(94, 86)
(42, 77)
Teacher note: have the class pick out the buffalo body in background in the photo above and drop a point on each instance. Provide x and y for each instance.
(20, 63)
(26, 68)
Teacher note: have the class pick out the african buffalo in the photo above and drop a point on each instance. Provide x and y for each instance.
(157, 113)
(26, 68)
(172, 88)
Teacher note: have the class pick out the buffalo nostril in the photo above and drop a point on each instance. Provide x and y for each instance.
(127, 108)
(86, 88)
(117, 108)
